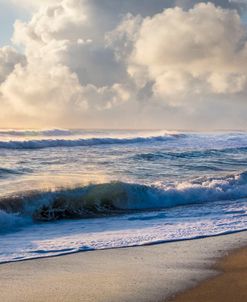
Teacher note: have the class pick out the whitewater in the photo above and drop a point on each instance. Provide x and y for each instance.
(64, 191)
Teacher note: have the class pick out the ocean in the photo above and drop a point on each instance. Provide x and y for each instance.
(64, 191)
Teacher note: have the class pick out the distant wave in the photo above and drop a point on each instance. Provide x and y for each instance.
(187, 154)
(5, 172)
(51, 132)
(116, 198)
(74, 132)
(52, 143)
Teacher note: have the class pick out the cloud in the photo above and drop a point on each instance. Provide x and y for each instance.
(68, 69)
(9, 58)
(99, 64)
(202, 51)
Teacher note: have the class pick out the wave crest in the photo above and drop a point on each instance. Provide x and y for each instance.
(52, 143)
(51, 132)
(117, 197)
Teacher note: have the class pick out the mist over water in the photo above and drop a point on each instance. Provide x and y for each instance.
(69, 190)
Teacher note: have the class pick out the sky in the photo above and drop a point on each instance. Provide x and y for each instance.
(123, 64)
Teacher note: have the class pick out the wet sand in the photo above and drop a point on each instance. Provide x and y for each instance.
(140, 274)
(229, 286)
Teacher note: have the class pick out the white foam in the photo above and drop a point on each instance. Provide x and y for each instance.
(49, 239)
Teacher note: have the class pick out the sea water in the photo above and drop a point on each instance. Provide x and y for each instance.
(64, 191)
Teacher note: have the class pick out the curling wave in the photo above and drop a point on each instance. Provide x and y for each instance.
(116, 198)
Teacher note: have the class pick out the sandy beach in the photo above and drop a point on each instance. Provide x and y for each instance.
(123, 151)
(229, 286)
(145, 274)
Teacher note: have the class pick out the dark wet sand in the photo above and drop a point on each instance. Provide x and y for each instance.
(229, 286)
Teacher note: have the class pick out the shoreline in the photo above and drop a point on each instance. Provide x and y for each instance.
(140, 274)
(229, 285)
(62, 254)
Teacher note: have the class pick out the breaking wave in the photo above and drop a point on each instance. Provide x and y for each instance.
(52, 143)
(100, 200)
(12, 221)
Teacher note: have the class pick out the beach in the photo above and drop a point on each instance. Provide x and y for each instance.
(123, 151)
(229, 286)
(146, 273)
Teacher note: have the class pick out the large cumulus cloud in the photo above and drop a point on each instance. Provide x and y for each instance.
(117, 63)
(197, 52)
(68, 70)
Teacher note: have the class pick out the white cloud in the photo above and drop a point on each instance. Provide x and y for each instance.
(200, 51)
(9, 58)
(88, 64)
